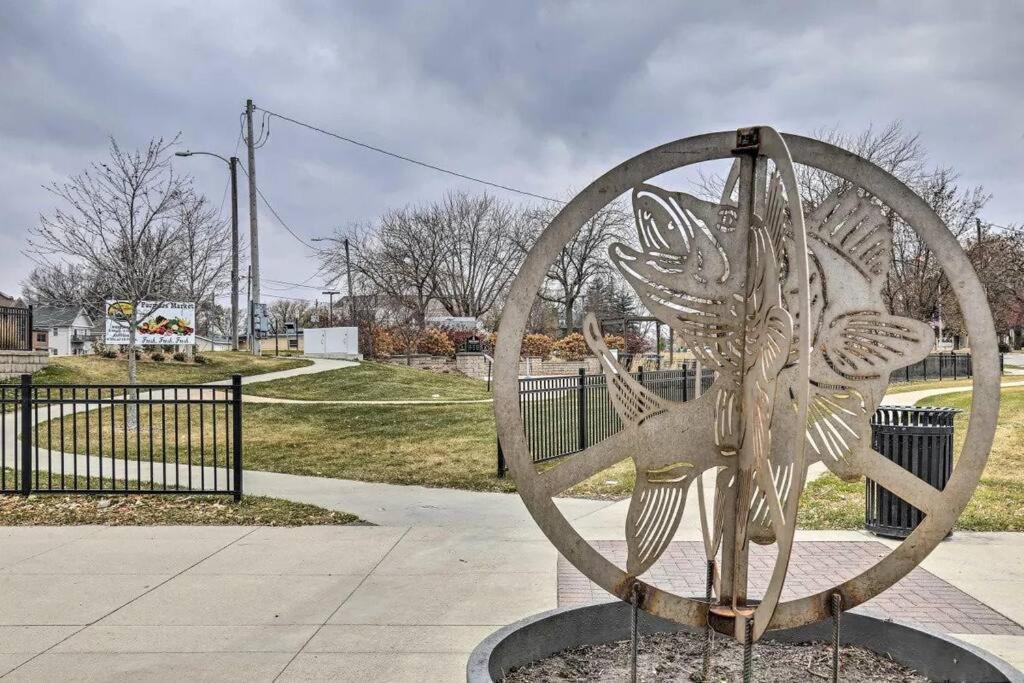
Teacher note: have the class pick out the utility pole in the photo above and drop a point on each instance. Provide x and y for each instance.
(254, 238)
(251, 323)
(351, 294)
(330, 310)
(233, 166)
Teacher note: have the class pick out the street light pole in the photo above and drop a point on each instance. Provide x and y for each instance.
(330, 311)
(233, 170)
(351, 294)
(348, 273)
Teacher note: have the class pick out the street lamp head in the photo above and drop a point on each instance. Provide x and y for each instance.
(186, 153)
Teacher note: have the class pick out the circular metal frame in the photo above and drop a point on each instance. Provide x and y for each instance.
(823, 156)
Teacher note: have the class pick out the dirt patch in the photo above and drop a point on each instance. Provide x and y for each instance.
(678, 657)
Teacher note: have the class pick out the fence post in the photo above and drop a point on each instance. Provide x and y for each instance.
(907, 371)
(26, 434)
(1001, 368)
(581, 406)
(940, 366)
(30, 344)
(236, 432)
(955, 363)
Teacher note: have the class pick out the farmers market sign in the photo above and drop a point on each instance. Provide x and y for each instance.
(166, 324)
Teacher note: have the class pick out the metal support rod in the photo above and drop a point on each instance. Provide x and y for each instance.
(634, 600)
(26, 434)
(837, 610)
(709, 633)
(236, 433)
(733, 586)
(748, 650)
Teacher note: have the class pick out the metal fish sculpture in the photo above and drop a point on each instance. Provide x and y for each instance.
(722, 276)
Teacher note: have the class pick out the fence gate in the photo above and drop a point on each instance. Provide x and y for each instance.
(117, 438)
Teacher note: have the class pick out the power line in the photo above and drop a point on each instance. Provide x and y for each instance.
(410, 160)
(286, 298)
(278, 216)
(293, 284)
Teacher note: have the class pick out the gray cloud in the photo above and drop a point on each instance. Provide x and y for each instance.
(540, 96)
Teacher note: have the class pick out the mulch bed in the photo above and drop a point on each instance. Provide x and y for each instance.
(678, 657)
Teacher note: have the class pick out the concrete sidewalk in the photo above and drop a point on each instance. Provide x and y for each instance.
(316, 603)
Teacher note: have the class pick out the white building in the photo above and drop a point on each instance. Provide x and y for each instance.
(69, 330)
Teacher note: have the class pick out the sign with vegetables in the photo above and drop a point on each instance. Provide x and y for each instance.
(164, 324)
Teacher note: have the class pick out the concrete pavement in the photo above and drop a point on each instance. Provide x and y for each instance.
(316, 603)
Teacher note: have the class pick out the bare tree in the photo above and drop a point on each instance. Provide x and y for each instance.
(478, 257)
(65, 284)
(997, 255)
(398, 259)
(579, 262)
(285, 311)
(120, 218)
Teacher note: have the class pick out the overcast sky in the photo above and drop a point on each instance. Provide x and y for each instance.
(539, 96)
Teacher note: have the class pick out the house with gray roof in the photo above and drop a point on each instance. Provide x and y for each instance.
(69, 329)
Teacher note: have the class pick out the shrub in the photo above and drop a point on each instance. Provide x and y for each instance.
(572, 347)
(110, 353)
(1004, 347)
(435, 343)
(202, 360)
(157, 356)
(614, 341)
(384, 343)
(180, 356)
(537, 345)
(637, 343)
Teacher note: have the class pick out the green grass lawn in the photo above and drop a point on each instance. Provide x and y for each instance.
(451, 446)
(100, 370)
(998, 502)
(902, 387)
(142, 509)
(374, 382)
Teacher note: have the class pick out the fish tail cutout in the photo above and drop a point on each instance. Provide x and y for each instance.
(655, 511)
(632, 401)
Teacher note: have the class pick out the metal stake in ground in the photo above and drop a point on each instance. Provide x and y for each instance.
(709, 633)
(634, 600)
(837, 610)
(748, 650)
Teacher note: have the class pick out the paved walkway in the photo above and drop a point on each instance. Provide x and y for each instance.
(343, 603)
(909, 398)
(317, 365)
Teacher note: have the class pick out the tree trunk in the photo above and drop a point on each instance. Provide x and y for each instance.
(570, 304)
(133, 373)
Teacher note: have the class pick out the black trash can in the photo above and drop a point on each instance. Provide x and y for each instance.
(919, 440)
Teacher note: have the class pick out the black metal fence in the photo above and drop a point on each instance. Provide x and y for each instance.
(116, 438)
(919, 440)
(937, 366)
(15, 328)
(563, 415)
